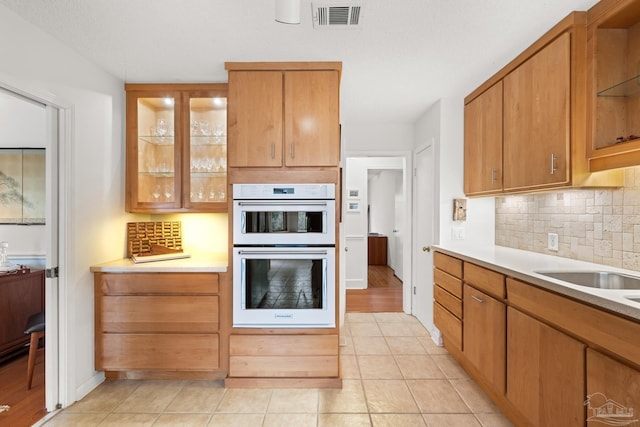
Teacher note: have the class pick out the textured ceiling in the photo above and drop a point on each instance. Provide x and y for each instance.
(406, 55)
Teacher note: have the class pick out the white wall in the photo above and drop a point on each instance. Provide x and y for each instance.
(22, 124)
(93, 213)
(386, 195)
(376, 137)
(443, 125)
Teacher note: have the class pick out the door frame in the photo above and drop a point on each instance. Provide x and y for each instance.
(407, 155)
(59, 142)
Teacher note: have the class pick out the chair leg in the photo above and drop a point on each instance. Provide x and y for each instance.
(33, 349)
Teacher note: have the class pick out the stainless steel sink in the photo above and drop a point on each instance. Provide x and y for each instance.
(595, 279)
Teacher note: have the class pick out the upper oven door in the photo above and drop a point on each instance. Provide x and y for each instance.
(284, 222)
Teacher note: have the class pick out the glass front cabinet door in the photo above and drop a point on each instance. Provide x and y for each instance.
(176, 148)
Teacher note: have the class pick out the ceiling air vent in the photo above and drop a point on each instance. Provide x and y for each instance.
(337, 15)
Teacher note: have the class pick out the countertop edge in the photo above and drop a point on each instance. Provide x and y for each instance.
(553, 285)
(211, 264)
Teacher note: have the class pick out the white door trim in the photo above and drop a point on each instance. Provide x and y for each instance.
(407, 155)
(56, 362)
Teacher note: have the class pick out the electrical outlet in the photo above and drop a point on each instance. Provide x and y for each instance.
(552, 241)
(457, 233)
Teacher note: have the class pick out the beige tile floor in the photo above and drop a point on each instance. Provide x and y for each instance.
(393, 375)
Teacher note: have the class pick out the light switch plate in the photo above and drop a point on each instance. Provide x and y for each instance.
(552, 241)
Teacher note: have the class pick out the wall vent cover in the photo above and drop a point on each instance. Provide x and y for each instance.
(337, 14)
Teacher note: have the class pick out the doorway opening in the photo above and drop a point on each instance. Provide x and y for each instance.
(374, 229)
(29, 122)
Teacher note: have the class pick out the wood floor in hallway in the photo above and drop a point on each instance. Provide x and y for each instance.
(384, 293)
(25, 406)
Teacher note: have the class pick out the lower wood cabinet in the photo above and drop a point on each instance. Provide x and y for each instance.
(157, 322)
(284, 359)
(545, 372)
(484, 334)
(447, 299)
(544, 358)
(283, 356)
(21, 295)
(613, 391)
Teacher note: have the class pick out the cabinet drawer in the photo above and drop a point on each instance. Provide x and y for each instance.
(449, 283)
(447, 263)
(449, 325)
(159, 283)
(283, 345)
(448, 301)
(153, 313)
(484, 279)
(172, 352)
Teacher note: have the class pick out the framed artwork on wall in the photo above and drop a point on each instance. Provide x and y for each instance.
(22, 186)
(353, 206)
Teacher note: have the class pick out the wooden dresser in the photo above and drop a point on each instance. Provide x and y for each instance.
(21, 295)
(377, 249)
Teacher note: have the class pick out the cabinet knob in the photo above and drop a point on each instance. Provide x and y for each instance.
(426, 249)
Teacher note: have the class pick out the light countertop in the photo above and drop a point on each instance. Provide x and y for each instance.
(196, 263)
(524, 265)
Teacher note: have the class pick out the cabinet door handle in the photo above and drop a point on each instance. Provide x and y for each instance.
(553, 163)
(273, 150)
(493, 175)
(293, 153)
(480, 300)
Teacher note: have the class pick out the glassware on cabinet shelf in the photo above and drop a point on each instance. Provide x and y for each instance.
(207, 168)
(156, 145)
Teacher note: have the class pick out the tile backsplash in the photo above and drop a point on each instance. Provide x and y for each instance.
(595, 225)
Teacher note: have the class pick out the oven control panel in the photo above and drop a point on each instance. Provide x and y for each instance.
(284, 191)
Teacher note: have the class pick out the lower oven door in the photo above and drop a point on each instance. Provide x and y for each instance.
(284, 287)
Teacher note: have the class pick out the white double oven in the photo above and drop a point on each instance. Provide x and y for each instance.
(284, 255)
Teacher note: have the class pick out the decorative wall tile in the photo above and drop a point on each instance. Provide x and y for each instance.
(601, 225)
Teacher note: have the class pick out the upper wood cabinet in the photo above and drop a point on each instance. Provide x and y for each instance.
(284, 114)
(483, 142)
(537, 133)
(538, 126)
(613, 50)
(176, 148)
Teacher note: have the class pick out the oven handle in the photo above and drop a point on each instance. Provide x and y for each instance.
(281, 202)
(291, 252)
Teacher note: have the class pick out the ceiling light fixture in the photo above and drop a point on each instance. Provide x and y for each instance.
(288, 11)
